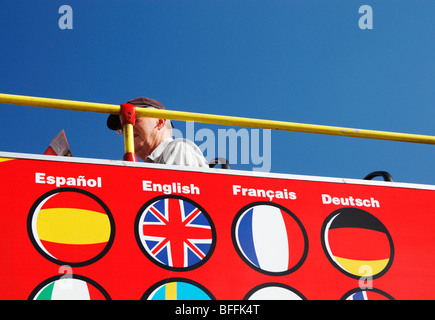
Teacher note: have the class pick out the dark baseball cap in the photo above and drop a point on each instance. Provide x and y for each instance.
(113, 121)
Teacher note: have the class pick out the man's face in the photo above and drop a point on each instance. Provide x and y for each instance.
(145, 131)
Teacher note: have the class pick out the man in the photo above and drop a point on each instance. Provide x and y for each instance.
(153, 140)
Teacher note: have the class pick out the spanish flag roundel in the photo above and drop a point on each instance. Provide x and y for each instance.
(71, 226)
(357, 243)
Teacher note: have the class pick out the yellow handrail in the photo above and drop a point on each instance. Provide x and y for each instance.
(216, 119)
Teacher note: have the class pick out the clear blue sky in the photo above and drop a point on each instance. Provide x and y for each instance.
(292, 60)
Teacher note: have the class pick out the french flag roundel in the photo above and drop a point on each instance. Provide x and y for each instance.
(269, 238)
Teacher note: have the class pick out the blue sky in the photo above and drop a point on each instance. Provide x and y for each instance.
(292, 60)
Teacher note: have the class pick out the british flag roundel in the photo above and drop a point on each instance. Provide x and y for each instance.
(175, 233)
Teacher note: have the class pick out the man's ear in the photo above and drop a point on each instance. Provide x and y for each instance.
(161, 123)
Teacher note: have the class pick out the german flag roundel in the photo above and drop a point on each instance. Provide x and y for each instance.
(357, 243)
(70, 226)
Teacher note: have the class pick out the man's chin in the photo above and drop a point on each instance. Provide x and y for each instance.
(140, 153)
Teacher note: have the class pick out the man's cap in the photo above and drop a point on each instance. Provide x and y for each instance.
(113, 121)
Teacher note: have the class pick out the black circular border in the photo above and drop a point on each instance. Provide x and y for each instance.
(164, 281)
(325, 249)
(273, 284)
(73, 276)
(59, 262)
(240, 253)
(355, 290)
(162, 265)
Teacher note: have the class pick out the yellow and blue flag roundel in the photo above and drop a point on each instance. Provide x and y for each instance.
(270, 238)
(71, 226)
(177, 289)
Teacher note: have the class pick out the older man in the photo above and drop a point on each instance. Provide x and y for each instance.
(153, 140)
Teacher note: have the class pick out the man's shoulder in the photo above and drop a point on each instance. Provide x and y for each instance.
(181, 142)
(183, 151)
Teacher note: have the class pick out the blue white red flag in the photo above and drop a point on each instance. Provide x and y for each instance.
(269, 238)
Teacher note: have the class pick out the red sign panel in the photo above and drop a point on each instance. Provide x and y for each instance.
(76, 228)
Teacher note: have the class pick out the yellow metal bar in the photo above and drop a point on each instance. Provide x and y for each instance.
(286, 126)
(128, 138)
(59, 104)
(218, 119)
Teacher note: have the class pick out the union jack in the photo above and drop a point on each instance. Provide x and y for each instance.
(175, 233)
